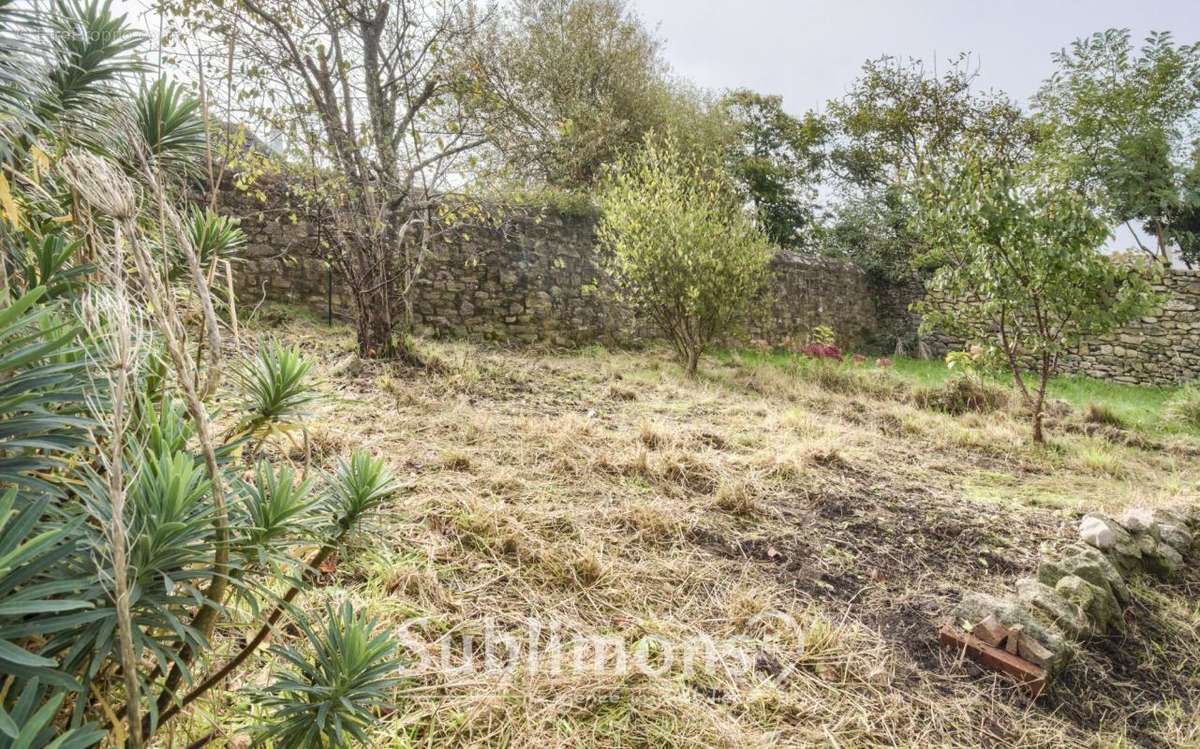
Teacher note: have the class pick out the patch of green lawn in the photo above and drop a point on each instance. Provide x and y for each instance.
(1139, 406)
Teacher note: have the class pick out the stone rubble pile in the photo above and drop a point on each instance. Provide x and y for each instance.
(1082, 593)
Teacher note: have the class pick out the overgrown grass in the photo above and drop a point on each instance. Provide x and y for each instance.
(1139, 406)
(604, 490)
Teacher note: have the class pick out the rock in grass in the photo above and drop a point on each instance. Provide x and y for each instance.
(1096, 601)
(1160, 558)
(1138, 520)
(1182, 515)
(1052, 608)
(1090, 564)
(1102, 532)
(1177, 537)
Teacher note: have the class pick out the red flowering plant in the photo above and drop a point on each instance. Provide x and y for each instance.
(821, 344)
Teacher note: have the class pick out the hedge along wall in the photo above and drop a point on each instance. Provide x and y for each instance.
(538, 281)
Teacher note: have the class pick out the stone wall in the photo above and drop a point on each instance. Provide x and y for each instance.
(1162, 348)
(538, 281)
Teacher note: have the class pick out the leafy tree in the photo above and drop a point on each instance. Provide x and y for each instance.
(371, 101)
(683, 250)
(1127, 120)
(776, 160)
(1020, 270)
(572, 86)
(1183, 218)
(896, 117)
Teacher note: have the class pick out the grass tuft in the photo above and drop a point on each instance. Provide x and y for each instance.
(1101, 413)
(1184, 408)
(961, 395)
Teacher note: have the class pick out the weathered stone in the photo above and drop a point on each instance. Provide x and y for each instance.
(1049, 606)
(1177, 537)
(1159, 558)
(1096, 601)
(1138, 520)
(1101, 532)
(1092, 565)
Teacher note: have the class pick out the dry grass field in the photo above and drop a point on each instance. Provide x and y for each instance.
(821, 518)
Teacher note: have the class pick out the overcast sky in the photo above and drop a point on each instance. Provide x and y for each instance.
(810, 50)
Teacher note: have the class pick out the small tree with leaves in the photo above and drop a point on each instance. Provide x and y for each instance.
(683, 250)
(1020, 270)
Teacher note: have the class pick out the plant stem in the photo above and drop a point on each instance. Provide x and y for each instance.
(116, 493)
(170, 710)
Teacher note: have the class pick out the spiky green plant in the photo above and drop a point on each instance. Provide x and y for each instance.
(214, 236)
(359, 487)
(41, 391)
(171, 126)
(31, 722)
(277, 504)
(274, 389)
(20, 73)
(51, 260)
(328, 696)
(92, 54)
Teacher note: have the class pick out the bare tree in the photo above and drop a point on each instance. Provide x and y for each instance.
(372, 100)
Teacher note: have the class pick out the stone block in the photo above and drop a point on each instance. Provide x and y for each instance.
(1097, 602)
(1049, 606)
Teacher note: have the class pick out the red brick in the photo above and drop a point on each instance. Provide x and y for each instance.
(1030, 676)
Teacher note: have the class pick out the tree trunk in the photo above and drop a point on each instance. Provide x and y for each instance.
(693, 361)
(1039, 436)
(377, 338)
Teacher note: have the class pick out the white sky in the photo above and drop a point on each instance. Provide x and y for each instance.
(810, 50)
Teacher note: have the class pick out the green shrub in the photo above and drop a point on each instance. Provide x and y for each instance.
(962, 394)
(682, 249)
(328, 695)
(1184, 408)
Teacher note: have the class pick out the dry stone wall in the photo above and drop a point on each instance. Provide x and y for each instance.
(539, 281)
(1159, 349)
(1162, 348)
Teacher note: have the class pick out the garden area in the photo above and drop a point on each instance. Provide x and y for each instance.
(228, 522)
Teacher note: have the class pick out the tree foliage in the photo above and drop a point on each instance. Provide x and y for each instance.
(683, 249)
(1125, 122)
(572, 87)
(372, 104)
(1019, 268)
(896, 118)
(776, 160)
